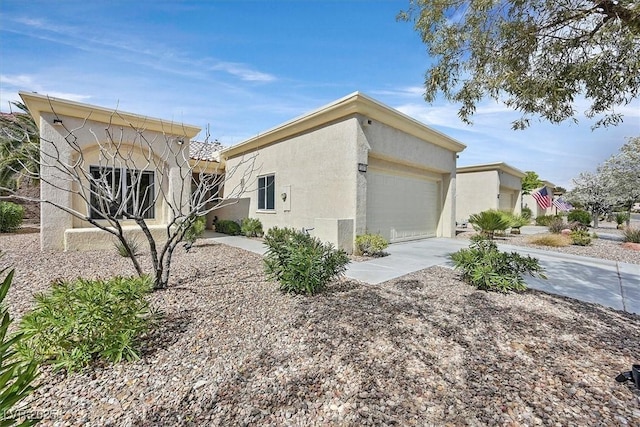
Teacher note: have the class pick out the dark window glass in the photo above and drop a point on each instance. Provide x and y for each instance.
(267, 192)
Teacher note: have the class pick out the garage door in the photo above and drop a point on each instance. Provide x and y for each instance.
(401, 207)
(506, 202)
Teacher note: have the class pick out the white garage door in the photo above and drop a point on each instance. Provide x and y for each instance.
(401, 207)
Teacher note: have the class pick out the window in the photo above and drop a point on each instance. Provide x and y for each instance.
(267, 192)
(111, 186)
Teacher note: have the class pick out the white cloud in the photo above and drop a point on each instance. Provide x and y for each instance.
(243, 72)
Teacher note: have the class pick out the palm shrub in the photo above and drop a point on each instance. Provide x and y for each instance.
(371, 244)
(527, 213)
(488, 222)
(300, 263)
(631, 235)
(11, 215)
(17, 375)
(226, 226)
(78, 322)
(583, 217)
(251, 227)
(195, 230)
(482, 265)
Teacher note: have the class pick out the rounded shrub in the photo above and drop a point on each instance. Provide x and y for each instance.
(371, 244)
(583, 217)
(196, 229)
(226, 226)
(580, 237)
(251, 227)
(11, 216)
(545, 220)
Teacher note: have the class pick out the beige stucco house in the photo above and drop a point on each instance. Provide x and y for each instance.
(536, 209)
(350, 167)
(487, 186)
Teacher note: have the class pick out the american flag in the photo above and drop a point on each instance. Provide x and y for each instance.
(562, 205)
(542, 197)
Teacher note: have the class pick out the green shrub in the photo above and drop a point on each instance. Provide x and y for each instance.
(580, 237)
(251, 227)
(226, 226)
(583, 217)
(489, 222)
(557, 225)
(371, 244)
(621, 217)
(517, 221)
(545, 220)
(301, 263)
(526, 213)
(195, 230)
(631, 235)
(78, 322)
(11, 215)
(487, 268)
(16, 374)
(132, 243)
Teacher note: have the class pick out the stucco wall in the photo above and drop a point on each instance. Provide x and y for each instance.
(476, 192)
(85, 133)
(318, 169)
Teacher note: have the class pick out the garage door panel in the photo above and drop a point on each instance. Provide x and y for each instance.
(401, 207)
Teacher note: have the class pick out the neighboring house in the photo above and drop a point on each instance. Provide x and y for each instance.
(536, 209)
(487, 186)
(351, 167)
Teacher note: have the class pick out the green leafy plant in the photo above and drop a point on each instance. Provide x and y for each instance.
(17, 375)
(526, 213)
(84, 320)
(621, 217)
(545, 220)
(11, 216)
(583, 217)
(489, 222)
(301, 263)
(487, 268)
(580, 237)
(371, 244)
(557, 225)
(631, 235)
(553, 240)
(226, 226)
(195, 230)
(251, 227)
(132, 247)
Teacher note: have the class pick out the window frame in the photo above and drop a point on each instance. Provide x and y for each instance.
(122, 179)
(266, 191)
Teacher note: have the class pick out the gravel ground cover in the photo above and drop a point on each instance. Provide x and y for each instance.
(424, 349)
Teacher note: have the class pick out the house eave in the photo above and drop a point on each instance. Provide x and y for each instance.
(38, 104)
(498, 166)
(353, 104)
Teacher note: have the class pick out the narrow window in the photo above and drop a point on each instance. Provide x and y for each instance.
(267, 192)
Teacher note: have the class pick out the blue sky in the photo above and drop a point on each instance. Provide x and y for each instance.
(242, 67)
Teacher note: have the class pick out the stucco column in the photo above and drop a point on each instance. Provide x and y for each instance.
(448, 215)
(54, 221)
(362, 148)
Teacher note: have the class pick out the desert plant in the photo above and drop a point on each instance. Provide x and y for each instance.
(251, 227)
(77, 322)
(371, 244)
(631, 235)
(16, 375)
(580, 237)
(557, 225)
(553, 240)
(301, 263)
(527, 213)
(489, 222)
(544, 220)
(226, 226)
(487, 268)
(583, 217)
(130, 247)
(518, 221)
(621, 218)
(11, 215)
(195, 230)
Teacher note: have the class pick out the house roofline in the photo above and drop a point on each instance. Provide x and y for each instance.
(354, 103)
(37, 104)
(499, 166)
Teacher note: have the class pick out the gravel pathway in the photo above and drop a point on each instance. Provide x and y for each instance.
(424, 349)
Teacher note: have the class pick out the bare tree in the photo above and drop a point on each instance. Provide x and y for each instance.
(128, 178)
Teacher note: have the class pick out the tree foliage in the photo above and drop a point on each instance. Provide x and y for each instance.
(535, 56)
(19, 146)
(530, 182)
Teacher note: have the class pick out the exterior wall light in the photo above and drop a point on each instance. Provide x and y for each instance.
(362, 167)
(57, 122)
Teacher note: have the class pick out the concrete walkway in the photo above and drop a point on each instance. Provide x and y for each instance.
(612, 284)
